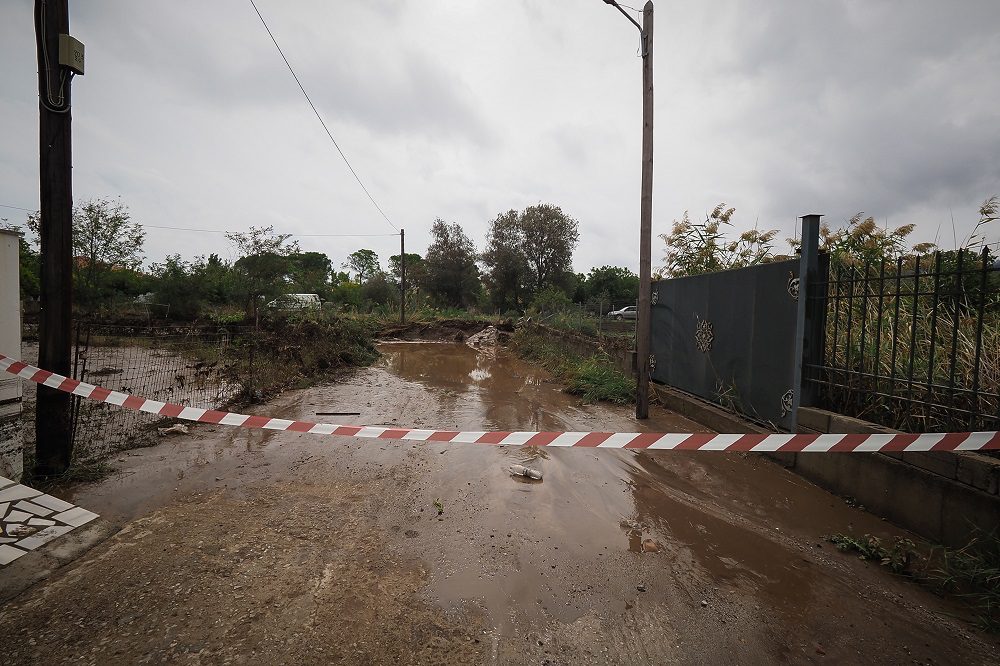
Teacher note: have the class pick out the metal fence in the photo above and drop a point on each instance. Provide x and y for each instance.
(913, 344)
(729, 337)
(207, 367)
(591, 319)
(201, 366)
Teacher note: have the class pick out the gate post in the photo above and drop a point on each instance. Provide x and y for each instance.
(808, 323)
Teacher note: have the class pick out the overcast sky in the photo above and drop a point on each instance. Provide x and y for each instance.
(461, 109)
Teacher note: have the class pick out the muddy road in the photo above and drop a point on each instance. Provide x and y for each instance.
(237, 546)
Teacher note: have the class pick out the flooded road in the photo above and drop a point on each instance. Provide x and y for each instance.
(265, 547)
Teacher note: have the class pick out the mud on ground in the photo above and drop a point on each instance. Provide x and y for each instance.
(265, 547)
(440, 330)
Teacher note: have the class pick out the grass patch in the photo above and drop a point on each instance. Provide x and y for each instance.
(593, 377)
(970, 573)
(973, 574)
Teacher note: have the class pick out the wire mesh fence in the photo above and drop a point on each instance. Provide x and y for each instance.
(913, 344)
(596, 320)
(208, 367)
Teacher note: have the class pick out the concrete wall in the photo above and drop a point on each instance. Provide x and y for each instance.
(944, 497)
(11, 453)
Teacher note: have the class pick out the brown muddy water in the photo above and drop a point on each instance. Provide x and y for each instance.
(262, 547)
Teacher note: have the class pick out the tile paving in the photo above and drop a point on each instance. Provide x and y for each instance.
(29, 519)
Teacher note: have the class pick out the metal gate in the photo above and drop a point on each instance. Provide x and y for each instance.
(729, 337)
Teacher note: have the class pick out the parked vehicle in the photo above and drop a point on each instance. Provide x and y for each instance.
(296, 302)
(630, 312)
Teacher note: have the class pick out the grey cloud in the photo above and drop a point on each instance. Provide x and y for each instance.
(461, 110)
(233, 64)
(871, 106)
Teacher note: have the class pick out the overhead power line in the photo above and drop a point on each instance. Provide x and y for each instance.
(320, 118)
(230, 231)
(27, 210)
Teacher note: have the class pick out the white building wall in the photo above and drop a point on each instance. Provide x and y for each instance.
(11, 451)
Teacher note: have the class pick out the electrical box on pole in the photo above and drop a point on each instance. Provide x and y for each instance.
(71, 54)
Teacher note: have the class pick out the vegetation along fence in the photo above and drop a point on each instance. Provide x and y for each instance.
(912, 344)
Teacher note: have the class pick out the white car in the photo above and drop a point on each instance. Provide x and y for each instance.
(296, 302)
(630, 312)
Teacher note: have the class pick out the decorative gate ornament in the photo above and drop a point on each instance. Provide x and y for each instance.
(793, 286)
(786, 403)
(704, 336)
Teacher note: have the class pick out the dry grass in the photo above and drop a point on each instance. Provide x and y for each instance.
(913, 362)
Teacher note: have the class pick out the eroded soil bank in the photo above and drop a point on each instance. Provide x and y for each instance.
(258, 547)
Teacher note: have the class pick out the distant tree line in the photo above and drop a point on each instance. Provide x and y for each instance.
(527, 263)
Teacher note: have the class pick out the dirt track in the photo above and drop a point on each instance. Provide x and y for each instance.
(260, 547)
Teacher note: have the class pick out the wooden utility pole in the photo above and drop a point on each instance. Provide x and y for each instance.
(642, 319)
(642, 323)
(402, 276)
(54, 442)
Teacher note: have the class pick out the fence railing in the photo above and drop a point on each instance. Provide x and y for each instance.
(196, 366)
(201, 366)
(913, 344)
(591, 319)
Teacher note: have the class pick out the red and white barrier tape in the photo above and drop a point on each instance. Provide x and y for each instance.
(954, 441)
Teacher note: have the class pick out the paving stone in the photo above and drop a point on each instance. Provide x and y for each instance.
(9, 553)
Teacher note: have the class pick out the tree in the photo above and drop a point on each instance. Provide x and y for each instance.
(414, 266)
(507, 275)
(694, 248)
(451, 275)
(264, 265)
(105, 240)
(416, 273)
(551, 299)
(613, 285)
(311, 273)
(527, 252)
(549, 238)
(187, 286)
(177, 287)
(365, 264)
(28, 264)
(379, 291)
(216, 279)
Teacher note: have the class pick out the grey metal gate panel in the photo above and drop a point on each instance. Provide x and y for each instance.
(729, 337)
